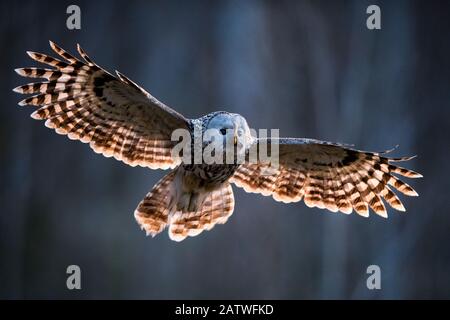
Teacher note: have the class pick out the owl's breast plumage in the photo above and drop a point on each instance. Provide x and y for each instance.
(211, 173)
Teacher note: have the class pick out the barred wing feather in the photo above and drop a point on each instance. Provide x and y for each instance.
(328, 175)
(113, 114)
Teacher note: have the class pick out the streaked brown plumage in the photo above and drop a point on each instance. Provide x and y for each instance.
(329, 176)
(120, 119)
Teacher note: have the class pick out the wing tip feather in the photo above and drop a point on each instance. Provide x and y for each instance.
(20, 72)
(18, 89)
(417, 175)
(36, 116)
(382, 214)
(33, 55)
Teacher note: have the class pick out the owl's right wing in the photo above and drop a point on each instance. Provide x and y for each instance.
(113, 114)
(328, 175)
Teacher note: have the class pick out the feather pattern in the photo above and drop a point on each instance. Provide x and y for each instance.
(159, 208)
(216, 209)
(152, 213)
(328, 175)
(114, 115)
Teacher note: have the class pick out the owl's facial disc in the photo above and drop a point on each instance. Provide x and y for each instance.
(231, 131)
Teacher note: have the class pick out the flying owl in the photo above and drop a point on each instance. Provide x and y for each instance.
(119, 119)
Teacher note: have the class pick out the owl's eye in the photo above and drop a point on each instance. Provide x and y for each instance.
(223, 131)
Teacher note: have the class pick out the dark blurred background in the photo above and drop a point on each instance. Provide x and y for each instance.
(310, 68)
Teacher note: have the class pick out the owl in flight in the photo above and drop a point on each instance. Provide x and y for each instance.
(119, 119)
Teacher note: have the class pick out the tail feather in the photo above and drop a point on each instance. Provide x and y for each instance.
(160, 209)
(216, 209)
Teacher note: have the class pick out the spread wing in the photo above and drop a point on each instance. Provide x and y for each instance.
(328, 175)
(113, 114)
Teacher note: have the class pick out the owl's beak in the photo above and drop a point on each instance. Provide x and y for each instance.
(235, 138)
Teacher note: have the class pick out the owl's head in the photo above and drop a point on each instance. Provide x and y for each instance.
(230, 130)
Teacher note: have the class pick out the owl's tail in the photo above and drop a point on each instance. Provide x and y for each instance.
(164, 206)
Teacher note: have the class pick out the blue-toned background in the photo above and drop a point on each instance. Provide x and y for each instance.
(310, 68)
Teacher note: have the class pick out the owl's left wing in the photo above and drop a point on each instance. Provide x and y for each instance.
(115, 116)
(328, 175)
